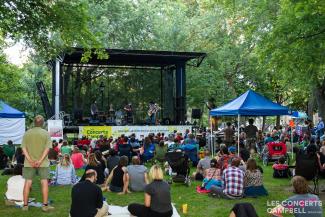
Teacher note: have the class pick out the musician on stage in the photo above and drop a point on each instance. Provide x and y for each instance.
(111, 113)
(129, 113)
(152, 113)
(94, 111)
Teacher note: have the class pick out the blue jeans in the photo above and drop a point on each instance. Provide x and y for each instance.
(152, 119)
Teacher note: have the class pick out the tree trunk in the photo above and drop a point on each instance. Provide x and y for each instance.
(319, 93)
(263, 123)
(311, 106)
(77, 92)
(65, 94)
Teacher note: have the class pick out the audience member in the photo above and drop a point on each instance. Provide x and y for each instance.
(137, 175)
(118, 179)
(157, 198)
(78, 160)
(233, 182)
(65, 173)
(251, 134)
(161, 151)
(243, 152)
(15, 187)
(3, 159)
(124, 148)
(202, 166)
(9, 150)
(212, 176)
(243, 210)
(281, 169)
(87, 198)
(148, 149)
(299, 201)
(36, 144)
(228, 135)
(95, 165)
(112, 160)
(65, 148)
(253, 180)
(19, 156)
(100, 158)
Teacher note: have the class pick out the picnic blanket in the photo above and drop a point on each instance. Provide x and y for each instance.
(119, 211)
(201, 191)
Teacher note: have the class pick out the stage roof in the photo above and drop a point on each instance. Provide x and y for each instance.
(133, 58)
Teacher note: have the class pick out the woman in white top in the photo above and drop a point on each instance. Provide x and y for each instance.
(65, 173)
(15, 187)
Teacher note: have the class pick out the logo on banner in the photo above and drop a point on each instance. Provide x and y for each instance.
(96, 131)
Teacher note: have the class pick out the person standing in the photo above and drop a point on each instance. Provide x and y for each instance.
(228, 135)
(251, 134)
(320, 128)
(87, 198)
(36, 144)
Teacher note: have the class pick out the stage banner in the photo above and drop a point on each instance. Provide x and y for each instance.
(116, 131)
(146, 130)
(55, 129)
(95, 131)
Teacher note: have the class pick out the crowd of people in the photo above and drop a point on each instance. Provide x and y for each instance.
(118, 165)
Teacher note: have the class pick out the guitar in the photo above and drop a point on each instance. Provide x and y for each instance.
(153, 109)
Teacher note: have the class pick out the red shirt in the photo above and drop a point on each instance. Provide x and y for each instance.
(77, 160)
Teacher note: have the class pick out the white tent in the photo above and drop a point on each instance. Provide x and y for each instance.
(12, 124)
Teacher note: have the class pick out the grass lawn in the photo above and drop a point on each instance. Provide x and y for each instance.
(198, 205)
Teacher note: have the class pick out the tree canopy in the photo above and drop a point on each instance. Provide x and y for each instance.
(275, 47)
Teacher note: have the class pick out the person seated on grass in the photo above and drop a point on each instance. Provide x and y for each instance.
(233, 182)
(65, 173)
(65, 148)
(202, 166)
(160, 152)
(137, 175)
(212, 176)
(3, 159)
(95, 165)
(223, 158)
(19, 157)
(100, 158)
(118, 179)
(112, 160)
(303, 204)
(281, 169)
(87, 198)
(53, 155)
(15, 187)
(148, 149)
(9, 149)
(157, 198)
(77, 158)
(253, 180)
(243, 210)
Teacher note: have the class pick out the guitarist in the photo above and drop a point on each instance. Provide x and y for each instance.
(153, 110)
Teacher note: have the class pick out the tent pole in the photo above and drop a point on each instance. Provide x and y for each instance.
(238, 133)
(211, 138)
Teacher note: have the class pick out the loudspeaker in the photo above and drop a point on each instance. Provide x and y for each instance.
(196, 113)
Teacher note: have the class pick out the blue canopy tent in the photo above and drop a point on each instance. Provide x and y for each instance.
(299, 115)
(250, 104)
(12, 124)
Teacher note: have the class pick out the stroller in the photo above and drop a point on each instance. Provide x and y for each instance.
(179, 164)
(273, 151)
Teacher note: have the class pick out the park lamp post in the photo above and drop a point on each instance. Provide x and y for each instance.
(101, 88)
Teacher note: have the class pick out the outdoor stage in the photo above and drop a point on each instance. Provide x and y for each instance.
(116, 131)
